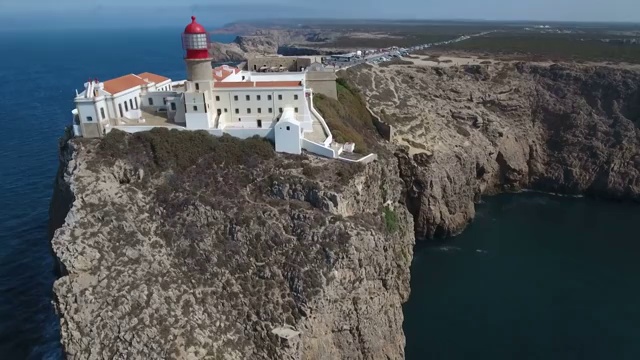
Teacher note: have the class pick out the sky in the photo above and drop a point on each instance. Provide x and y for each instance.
(159, 13)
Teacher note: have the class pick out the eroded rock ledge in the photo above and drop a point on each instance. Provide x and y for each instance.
(473, 130)
(239, 254)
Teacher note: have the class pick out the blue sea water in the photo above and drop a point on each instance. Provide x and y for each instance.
(39, 72)
(534, 277)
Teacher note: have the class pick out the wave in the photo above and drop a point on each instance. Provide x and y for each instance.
(552, 193)
(447, 248)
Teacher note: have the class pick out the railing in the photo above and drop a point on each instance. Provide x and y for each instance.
(319, 117)
(364, 160)
(318, 149)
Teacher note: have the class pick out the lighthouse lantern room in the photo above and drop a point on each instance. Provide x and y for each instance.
(195, 40)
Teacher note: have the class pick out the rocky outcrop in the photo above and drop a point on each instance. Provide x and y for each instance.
(289, 42)
(473, 130)
(238, 254)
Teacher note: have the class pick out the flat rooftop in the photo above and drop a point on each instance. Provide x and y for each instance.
(157, 118)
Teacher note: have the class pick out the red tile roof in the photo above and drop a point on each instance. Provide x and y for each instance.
(153, 77)
(127, 82)
(123, 83)
(258, 84)
(222, 72)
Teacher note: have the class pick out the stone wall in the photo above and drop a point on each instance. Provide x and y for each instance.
(323, 82)
(289, 63)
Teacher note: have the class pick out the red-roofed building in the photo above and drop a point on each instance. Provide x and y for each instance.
(221, 100)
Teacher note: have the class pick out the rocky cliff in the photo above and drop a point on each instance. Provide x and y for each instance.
(178, 245)
(466, 131)
(271, 41)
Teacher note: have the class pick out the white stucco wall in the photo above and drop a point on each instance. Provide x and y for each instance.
(158, 99)
(248, 109)
(197, 121)
(287, 76)
(247, 133)
(318, 149)
(129, 98)
(288, 135)
(85, 110)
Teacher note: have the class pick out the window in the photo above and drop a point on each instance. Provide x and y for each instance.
(243, 78)
(258, 97)
(195, 108)
(217, 98)
(270, 110)
(151, 101)
(173, 106)
(120, 108)
(295, 97)
(259, 110)
(219, 111)
(279, 96)
(164, 100)
(89, 118)
(126, 106)
(131, 103)
(296, 110)
(237, 111)
(259, 123)
(235, 97)
(197, 86)
(248, 111)
(136, 100)
(280, 110)
(288, 128)
(248, 97)
(102, 113)
(268, 97)
(225, 109)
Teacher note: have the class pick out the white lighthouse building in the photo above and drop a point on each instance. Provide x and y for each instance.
(222, 100)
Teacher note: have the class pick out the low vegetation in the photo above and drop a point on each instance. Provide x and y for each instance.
(348, 117)
(161, 149)
(396, 61)
(554, 47)
(390, 220)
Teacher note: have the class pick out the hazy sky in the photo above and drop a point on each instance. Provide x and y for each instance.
(79, 13)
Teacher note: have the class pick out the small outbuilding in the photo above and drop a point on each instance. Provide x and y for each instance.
(288, 133)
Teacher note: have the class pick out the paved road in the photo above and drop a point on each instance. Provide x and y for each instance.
(387, 54)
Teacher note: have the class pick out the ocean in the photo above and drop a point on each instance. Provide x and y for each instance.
(533, 277)
(39, 72)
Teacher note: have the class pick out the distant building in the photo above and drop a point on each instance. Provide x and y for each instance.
(224, 100)
(343, 57)
(277, 63)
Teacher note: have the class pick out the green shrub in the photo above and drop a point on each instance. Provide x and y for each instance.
(390, 220)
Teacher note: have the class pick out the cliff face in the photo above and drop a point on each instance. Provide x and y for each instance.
(238, 254)
(269, 42)
(473, 130)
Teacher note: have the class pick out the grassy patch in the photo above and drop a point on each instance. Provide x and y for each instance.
(348, 118)
(541, 47)
(395, 61)
(390, 220)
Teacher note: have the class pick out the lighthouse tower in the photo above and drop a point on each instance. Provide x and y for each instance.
(198, 97)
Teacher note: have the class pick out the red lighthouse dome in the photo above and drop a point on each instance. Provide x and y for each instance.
(195, 41)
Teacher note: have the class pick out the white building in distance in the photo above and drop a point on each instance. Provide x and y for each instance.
(224, 100)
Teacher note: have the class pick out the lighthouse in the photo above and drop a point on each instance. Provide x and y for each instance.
(199, 107)
(195, 43)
